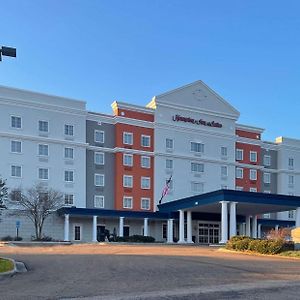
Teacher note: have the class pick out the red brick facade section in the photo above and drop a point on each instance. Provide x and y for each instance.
(248, 134)
(245, 182)
(134, 114)
(136, 192)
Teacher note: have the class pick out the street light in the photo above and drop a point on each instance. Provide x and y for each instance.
(8, 51)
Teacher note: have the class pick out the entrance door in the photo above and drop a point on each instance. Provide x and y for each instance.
(100, 233)
(209, 233)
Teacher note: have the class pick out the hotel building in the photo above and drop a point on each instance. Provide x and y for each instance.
(112, 168)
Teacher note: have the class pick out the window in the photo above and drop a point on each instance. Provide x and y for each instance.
(197, 187)
(98, 201)
(127, 138)
(69, 199)
(224, 151)
(291, 163)
(127, 202)
(127, 181)
(239, 154)
(267, 160)
(145, 183)
(99, 158)
(145, 141)
(224, 187)
(253, 189)
(77, 233)
(43, 150)
(43, 126)
(99, 179)
(16, 122)
(169, 164)
(292, 214)
(128, 160)
(69, 176)
(145, 162)
(169, 144)
(239, 173)
(267, 192)
(69, 153)
(99, 136)
(145, 203)
(253, 156)
(253, 174)
(16, 146)
(267, 216)
(15, 195)
(197, 167)
(224, 171)
(291, 180)
(16, 171)
(239, 188)
(164, 230)
(69, 130)
(43, 173)
(267, 178)
(197, 147)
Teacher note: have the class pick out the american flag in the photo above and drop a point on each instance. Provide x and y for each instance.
(165, 189)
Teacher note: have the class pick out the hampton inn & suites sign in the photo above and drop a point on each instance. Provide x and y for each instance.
(178, 118)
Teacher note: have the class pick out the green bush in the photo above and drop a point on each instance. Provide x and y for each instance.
(136, 239)
(243, 243)
(8, 238)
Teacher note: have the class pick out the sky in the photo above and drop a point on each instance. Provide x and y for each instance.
(248, 51)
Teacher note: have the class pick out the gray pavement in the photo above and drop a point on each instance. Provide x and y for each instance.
(97, 276)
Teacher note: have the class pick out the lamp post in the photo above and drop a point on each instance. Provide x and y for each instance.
(8, 51)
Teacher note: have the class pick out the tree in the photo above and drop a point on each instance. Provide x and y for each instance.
(3, 194)
(36, 203)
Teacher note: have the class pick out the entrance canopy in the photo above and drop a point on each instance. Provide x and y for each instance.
(248, 203)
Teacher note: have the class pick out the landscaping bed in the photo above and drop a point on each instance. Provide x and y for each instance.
(6, 265)
(271, 246)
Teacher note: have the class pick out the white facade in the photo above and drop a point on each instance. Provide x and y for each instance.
(42, 149)
(198, 102)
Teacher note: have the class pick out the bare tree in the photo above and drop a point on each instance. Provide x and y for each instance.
(36, 203)
(3, 193)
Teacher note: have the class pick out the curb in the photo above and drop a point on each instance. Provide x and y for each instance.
(19, 267)
(13, 271)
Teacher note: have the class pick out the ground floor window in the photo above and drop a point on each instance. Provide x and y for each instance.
(164, 230)
(209, 233)
(77, 232)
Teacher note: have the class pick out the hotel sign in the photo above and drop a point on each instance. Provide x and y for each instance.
(178, 118)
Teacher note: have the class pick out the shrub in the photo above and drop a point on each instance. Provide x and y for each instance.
(44, 239)
(243, 243)
(7, 238)
(10, 238)
(136, 239)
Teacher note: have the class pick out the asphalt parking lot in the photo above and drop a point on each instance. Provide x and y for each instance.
(148, 272)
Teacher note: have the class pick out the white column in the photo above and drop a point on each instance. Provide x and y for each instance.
(121, 227)
(254, 227)
(248, 226)
(181, 227)
(298, 217)
(170, 231)
(224, 222)
(259, 231)
(189, 226)
(241, 229)
(276, 228)
(66, 235)
(232, 220)
(94, 229)
(145, 226)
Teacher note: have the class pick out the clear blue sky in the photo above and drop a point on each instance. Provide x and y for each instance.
(248, 51)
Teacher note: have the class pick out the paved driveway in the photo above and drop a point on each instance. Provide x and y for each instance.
(148, 272)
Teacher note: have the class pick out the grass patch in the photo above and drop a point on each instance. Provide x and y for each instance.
(6, 265)
(291, 253)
